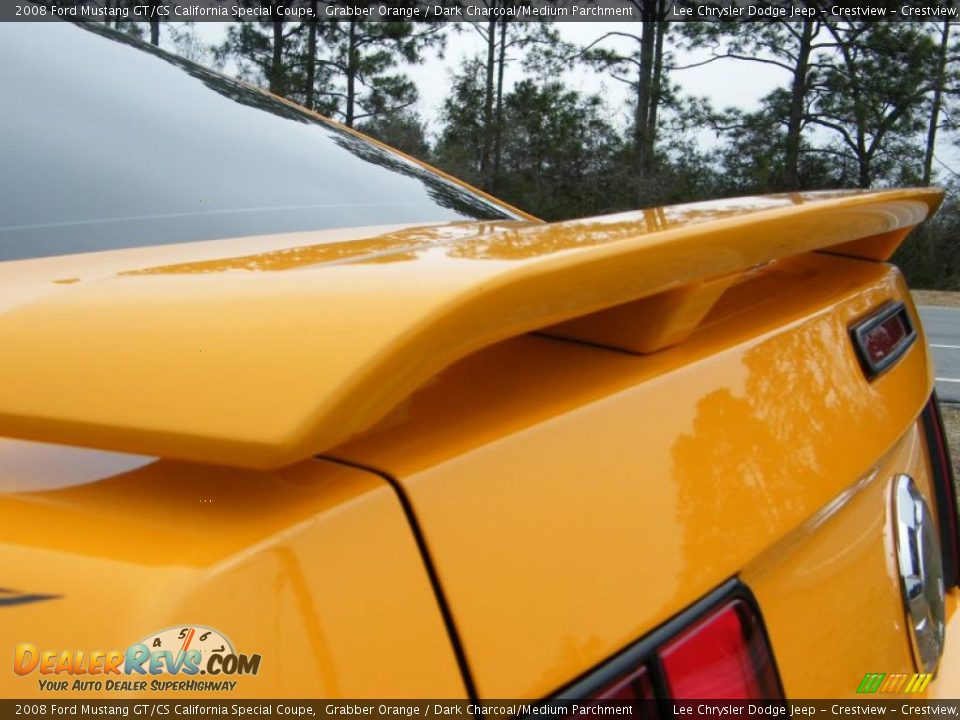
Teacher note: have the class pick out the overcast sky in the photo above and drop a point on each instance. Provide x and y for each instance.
(742, 88)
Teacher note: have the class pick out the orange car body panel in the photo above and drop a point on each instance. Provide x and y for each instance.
(571, 497)
(314, 567)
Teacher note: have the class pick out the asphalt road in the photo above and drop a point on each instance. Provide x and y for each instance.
(942, 325)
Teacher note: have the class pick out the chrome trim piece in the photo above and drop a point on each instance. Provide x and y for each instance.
(921, 572)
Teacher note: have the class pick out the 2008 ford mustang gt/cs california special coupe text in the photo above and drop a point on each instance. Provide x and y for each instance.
(288, 414)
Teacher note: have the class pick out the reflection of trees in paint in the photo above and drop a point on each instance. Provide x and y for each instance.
(752, 467)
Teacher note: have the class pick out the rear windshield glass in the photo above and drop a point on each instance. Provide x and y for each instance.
(106, 143)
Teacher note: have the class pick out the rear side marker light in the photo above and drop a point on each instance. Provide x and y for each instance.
(882, 338)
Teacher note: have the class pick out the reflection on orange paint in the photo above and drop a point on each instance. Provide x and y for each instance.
(608, 506)
(327, 348)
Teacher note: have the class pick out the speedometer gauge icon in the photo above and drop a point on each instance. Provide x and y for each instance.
(184, 638)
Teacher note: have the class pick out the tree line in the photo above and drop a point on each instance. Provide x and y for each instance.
(861, 105)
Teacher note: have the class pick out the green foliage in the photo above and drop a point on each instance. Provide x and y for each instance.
(263, 52)
(403, 130)
(505, 41)
(866, 97)
(560, 156)
(348, 69)
(643, 70)
(558, 151)
(930, 257)
(459, 148)
(753, 156)
(362, 58)
(855, 108)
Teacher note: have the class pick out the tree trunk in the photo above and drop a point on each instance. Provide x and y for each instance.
(310, 88)
(486, 164)
(351, 74)
(937, 103)
(859, 113)
(155, 23)
(798, 95)
(656, 85)
(644, 88)
(276, 61)
(498, 126)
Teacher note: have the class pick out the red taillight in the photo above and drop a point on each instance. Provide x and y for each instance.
(724, 656)
(883, 337)
(715, 650)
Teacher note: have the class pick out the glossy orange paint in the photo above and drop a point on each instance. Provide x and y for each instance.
(314, 567)
(575, 498)
(201, 341)
(806, 581)
(571, 497)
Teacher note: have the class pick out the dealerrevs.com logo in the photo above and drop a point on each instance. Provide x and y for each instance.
(187, 651)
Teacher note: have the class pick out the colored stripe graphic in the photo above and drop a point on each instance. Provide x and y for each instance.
(894, 683)
(871, 682)
(918, 683)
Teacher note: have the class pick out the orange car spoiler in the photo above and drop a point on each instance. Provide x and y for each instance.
(261, 369)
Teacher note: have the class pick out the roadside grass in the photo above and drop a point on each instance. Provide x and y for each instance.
(943, 298)
(951, 420)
